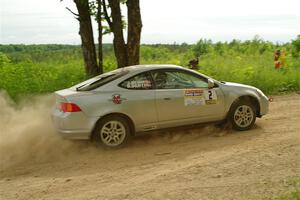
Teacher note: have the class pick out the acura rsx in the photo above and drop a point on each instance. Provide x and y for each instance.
(114, 106)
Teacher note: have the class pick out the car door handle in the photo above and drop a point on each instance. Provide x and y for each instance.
(167, 98)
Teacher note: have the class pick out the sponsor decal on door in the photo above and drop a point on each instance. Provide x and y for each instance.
(199, 97)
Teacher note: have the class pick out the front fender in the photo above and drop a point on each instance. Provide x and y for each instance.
(234, 93)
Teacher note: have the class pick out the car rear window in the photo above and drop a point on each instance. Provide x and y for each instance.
(100, 80)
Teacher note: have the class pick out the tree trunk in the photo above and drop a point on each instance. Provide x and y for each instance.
(87, 39)
(117, 29)
(134, 32)
(100, 50)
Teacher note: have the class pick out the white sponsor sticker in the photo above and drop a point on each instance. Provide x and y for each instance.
(199, 97)
(194, 97)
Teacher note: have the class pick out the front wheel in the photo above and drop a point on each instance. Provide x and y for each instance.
(242, 115)
(112, 132)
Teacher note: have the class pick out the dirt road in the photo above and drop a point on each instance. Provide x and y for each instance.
(201, 163)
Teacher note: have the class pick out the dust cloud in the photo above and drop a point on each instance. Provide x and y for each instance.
(26, 131)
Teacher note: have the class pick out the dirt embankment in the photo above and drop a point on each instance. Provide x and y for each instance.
(190, 164)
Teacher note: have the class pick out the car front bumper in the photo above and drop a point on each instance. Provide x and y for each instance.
(264, 105)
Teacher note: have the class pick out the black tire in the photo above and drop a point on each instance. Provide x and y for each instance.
(112, 132)
(242, 115)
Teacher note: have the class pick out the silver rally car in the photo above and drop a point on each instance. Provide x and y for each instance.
(114, 106)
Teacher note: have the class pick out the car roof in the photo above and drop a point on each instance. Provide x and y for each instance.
(135, 69)
(141, 68)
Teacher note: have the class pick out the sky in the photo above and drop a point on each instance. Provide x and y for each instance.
(164, 21)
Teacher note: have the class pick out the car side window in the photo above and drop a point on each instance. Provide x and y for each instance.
(141, 81)
(177, 80)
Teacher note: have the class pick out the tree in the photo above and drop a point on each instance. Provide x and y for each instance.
(87, 39)
(100, 34)
(126, 54)
(117, 29)
(96, 12)
(134, 31)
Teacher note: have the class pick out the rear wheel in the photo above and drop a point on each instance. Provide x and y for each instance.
(242, 115)
(112, 132)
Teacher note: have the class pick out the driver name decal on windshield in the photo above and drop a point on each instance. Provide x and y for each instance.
(194, 97)
(139, 84)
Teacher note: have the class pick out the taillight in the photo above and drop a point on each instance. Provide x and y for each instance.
(69, 107)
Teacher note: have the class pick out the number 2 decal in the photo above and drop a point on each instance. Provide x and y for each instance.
(209, 94)
(210, 97)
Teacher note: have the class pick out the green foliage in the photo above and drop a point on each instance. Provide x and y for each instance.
(4, 60)
(296, 47)
(202, 47)
(293, 196)
(27, 78)
(28, 69)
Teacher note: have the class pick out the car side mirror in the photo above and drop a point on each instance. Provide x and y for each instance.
(211, 83)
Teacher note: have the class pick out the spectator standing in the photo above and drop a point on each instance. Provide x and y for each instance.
(194, 63)
(277, 62)
(282, 58)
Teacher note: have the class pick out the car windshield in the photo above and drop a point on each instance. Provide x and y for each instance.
(100, 80)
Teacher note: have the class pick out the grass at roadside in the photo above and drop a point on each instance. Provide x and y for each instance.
(292, 196)
(294, 185)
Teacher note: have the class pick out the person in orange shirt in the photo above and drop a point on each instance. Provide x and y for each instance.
(277, 62)
(282, 58)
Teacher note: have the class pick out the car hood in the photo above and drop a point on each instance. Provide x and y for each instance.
(239, 85)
